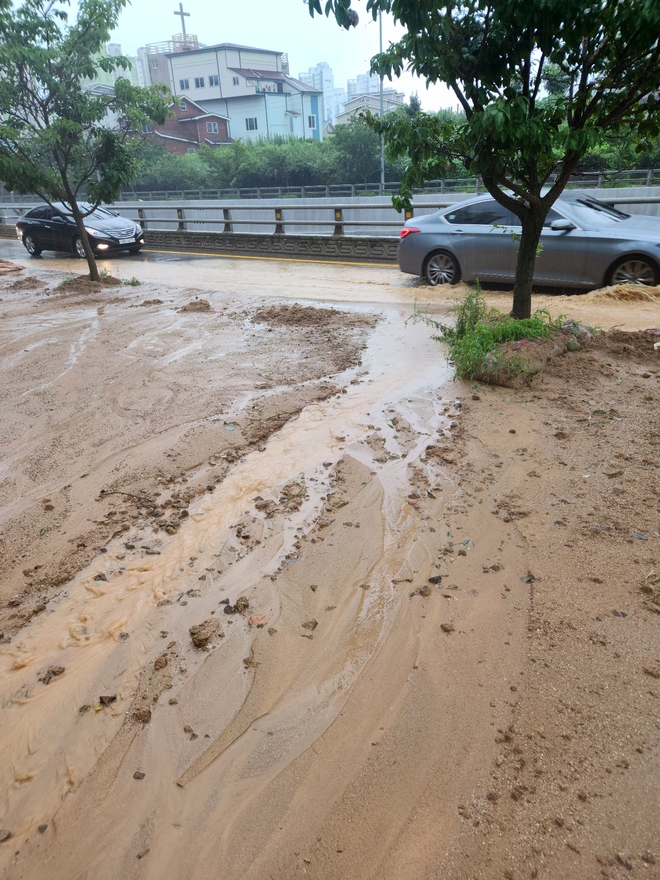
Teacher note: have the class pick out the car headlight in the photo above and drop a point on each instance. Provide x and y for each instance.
(90, 231)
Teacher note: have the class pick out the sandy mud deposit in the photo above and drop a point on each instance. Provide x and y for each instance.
(279, 600)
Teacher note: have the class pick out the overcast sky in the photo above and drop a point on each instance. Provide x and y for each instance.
(283, 26)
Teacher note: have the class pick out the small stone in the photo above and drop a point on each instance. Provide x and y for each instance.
(51, 672)
(447, 627)
(108, 699)
(330, 607)
(313, 587)
(100, 577)
(202, 633)
(241, 605)
(436, 579)
(512, 430)
(4, 835)
(142, 715)
(139, 774)
(258, 620)
(492, 796)
(425, 590)
(229, 609)
(84, 709)
(123, 636)
(160, 663)
(187, 728)
(43, 828)
(271, 630)
(143, 853)
(173, 701)
(310, 625)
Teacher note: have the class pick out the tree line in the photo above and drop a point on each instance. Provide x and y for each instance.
(351, 155)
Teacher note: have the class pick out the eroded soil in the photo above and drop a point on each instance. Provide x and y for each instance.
(279, 599)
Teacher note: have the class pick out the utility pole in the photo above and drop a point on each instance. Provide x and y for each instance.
(382, 137)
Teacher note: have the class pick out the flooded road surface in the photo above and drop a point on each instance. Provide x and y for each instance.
(334, 734)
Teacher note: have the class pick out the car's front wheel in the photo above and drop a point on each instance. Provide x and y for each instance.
(442, 268)
(634, 270)
(31, 245)
(78, 249)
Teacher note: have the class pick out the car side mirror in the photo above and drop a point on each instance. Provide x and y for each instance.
(562, 225)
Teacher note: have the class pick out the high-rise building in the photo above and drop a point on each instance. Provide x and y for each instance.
(321, 77)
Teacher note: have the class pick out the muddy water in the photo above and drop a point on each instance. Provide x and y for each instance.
(249, 722)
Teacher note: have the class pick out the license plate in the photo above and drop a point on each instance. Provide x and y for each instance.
(126, 240)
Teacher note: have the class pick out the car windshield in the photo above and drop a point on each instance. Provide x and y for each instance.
(593, 212)
(100, 214)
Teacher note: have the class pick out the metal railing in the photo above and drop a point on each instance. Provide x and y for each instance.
(585, 180)
(339, 219)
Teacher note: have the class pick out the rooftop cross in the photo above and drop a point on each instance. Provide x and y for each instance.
(183, 15)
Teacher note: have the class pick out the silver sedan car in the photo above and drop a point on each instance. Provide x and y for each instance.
(585, 243)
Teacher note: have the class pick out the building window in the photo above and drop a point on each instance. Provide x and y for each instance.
(184, 84)
(183, 105)
(146, 128)
(191, 150)
(154, 64)
(251, 123)
(213, 80)
(199, 82)
(311, 122)
(212, 127)
(235, 80)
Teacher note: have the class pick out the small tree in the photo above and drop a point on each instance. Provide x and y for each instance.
(52, 138)
(524, 141)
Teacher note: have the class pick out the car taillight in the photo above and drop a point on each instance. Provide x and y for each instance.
(407, 230)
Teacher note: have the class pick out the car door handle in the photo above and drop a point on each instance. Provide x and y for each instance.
(457, 232)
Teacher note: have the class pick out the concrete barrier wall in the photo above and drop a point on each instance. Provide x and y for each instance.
(370, 249)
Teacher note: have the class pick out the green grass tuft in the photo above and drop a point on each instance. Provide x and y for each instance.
(479, 331)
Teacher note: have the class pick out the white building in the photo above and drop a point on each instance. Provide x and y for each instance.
(392, 100)
(250, 87)
(363, 84)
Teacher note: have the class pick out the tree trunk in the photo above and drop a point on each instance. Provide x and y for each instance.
(84, 238)
(532, 226)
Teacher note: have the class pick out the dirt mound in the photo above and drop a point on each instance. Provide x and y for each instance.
(197, 305)
(628, 293)
(299, 316)
(83, 284)
(153, 302)
(27, 283)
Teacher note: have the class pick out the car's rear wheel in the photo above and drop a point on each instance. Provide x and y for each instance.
(442, 268)
(78, 248)
(31, 245)
(634, 270)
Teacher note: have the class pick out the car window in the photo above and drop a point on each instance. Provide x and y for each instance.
(485, 213)
(591, 211)
(37, 213)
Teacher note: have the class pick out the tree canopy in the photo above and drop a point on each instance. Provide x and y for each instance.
(524, 138)
(56, 137)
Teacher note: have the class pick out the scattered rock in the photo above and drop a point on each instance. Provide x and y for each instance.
(271, 630)
(310, 625)
(258, 620)
(50, 673)
(108, 699)
(173, 701)
(139, 774)
(447, 627)
(229, 609)
(425, 590)
(161, 662)
(436, 579)
(143, 853)
(241, 605)
(202, 633)
(142, 715)
(250, 662)
(43, 828)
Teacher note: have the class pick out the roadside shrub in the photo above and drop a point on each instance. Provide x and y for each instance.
(478, 333)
